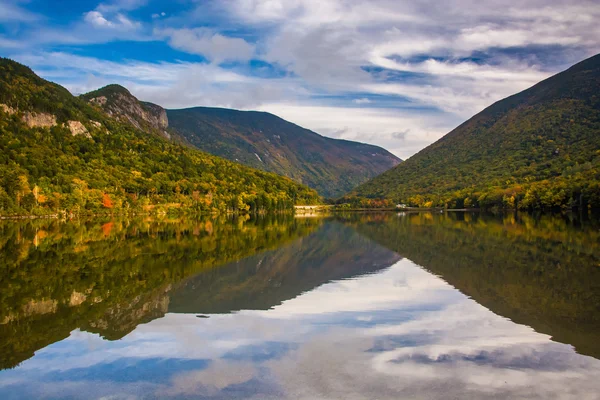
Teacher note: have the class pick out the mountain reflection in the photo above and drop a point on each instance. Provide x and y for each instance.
(360, 306)
(262, 281)
(542, 272)
(108, 277)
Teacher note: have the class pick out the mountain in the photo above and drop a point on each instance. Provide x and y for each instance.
(119, 103)
(265, 141)
(537, 149)
(256, 139)
(59, 153)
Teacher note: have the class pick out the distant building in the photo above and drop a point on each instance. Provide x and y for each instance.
(401, 206)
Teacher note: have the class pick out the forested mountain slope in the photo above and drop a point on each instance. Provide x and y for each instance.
(265, 141)
(257, 139)
(537, 149)
(58, 153)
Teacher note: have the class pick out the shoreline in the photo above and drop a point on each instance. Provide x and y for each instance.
(299, 211)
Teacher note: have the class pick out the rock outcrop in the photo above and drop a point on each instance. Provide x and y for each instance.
(77, 128)
(156, 115)
(7, 109)
(119, 103)
(39, 120)
(44, 120)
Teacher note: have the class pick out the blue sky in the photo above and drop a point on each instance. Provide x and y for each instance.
(396, 73)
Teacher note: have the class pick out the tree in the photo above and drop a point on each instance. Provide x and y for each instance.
(106, 201)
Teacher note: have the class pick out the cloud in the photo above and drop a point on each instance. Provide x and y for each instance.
(10, 12)
(401, 135)
(329, 44)
(383, 57)
(205, 42)
(120, 5)
(97, 19)
(9, 44)
(173, 85)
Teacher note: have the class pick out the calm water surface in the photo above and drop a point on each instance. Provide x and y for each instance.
(427, 306)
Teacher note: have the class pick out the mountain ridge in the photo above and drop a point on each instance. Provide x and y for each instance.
(257, 139)
(118, 102)
(537, 149)
(60, 154)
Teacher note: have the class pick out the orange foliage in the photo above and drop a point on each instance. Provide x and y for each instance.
(106, 201)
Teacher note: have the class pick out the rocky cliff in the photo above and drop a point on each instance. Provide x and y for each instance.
(119, 103)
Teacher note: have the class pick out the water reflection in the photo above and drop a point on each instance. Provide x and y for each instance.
(109, 276)
(266, 279)
(543, 272)
(332, 310)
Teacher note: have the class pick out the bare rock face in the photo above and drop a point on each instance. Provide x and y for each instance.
(77, 298)
(77, 128)
(44, 120)
(126, 107)
(101, 101)
(39, 120)
(157, 115)
(121, 319)
(7, 109)
(33, 119)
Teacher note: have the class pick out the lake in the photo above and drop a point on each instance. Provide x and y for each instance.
(357, 306)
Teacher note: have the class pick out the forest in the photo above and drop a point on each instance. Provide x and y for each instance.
(111, 167)
(536, 150)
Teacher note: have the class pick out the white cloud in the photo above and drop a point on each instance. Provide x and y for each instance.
(120, 21)
(120, 5)
(372, 125)
(159, 15)
(406, 55)
(8, 43)
(328, 45)
(12, 12)
(173, 85)
(219, 375)
(214, 46)
(96, 18)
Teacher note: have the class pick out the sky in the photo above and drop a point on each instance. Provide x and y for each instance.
(395, 73)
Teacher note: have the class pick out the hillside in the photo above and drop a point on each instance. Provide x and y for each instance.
(256, 139)
(538, 149)
(265, 141)
(58, 153)
(120, 104)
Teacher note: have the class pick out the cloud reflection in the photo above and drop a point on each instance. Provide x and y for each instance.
(399, 333)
